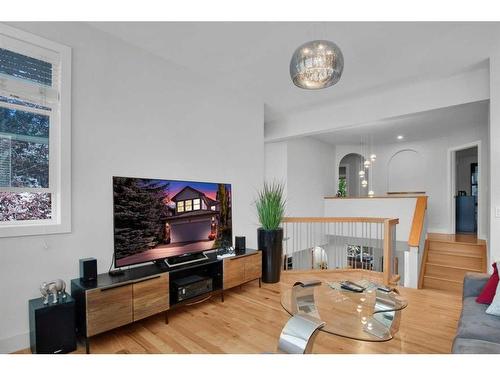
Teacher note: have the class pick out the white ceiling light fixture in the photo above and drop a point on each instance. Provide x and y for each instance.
(371, 193)
(364, 183)
(400, 137)
(373, 157)
(361, 174)
(316, 65)
(367, 163)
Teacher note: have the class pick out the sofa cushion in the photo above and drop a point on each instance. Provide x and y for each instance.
(488, 292)
(471, 346)
(476, 324)
(474, 283)
(494, 308)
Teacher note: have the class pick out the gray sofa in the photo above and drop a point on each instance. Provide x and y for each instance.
(477, 332)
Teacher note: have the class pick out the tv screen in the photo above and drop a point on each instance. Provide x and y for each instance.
(156, 219)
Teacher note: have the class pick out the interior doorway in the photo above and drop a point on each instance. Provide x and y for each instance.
(466, 189)
(350, 180)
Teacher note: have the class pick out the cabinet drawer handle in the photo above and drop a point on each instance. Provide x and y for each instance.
(149, 278)
(114, 287)
(242, 256)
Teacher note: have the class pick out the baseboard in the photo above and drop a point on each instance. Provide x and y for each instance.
(14, 343)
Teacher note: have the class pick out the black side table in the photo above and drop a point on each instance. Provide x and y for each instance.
(52, 326)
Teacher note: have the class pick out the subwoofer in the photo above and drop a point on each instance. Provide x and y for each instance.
(52, 326)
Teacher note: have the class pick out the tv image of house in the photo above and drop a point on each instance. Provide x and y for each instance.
(156, 219)
(195, 218)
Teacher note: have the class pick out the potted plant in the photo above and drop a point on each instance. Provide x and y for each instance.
(270, 205)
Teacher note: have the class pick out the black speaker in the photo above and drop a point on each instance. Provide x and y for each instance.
(52, 326)
(239, 243)
(88, 269)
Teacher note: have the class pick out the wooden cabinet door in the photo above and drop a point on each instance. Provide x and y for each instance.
(151, 296)
(234, 272)
(108, 308)
(253, 266)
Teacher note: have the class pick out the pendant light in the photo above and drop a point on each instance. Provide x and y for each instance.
(316, 65)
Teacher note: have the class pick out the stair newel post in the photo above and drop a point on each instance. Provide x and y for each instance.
(389, 248)
(387, 252)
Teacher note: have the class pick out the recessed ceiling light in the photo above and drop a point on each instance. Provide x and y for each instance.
(400, 137)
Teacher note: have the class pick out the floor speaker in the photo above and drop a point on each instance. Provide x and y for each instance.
(52, 326)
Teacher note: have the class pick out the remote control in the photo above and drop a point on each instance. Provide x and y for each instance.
(384, 288)
(353, 287)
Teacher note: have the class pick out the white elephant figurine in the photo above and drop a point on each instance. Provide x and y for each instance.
(53, 288)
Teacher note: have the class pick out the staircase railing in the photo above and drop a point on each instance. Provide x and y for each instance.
(342, 242)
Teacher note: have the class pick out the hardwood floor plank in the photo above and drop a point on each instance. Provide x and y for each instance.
(251, 318)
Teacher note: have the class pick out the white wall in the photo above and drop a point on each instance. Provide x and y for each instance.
(133, 115)
(307, 166)
(275, 162)
(310, 173)
(434, 155)
(401, 208)
(494, 131)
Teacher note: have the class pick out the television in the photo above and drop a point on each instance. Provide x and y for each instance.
(155, 219)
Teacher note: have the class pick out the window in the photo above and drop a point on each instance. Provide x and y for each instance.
(189, 205)
(35, 84)
(180, 206)
(196, 204)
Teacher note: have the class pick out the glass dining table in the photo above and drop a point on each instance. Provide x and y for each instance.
(372, 315)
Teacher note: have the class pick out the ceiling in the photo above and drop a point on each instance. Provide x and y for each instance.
(416, 127)
(255, 57)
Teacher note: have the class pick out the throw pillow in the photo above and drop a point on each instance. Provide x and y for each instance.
(490, 288)
(494, 308)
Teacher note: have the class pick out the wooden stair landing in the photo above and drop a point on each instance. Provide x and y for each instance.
(446, 259)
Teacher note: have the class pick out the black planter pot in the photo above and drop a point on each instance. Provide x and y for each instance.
(271, 244)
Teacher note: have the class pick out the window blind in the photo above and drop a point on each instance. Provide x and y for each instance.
(25, 67)
(27, 79)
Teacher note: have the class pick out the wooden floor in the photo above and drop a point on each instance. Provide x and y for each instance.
(251, 318)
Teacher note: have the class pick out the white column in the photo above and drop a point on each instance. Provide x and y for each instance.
(494, 194)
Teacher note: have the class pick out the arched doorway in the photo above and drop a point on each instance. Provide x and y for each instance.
(349, 183)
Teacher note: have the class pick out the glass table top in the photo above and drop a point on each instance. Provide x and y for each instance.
(372, 315)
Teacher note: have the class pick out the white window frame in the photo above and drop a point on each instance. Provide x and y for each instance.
(196, 204)
(180, 206)
(59, 139)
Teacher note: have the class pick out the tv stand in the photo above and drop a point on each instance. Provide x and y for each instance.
(114, 301)
(116, 272)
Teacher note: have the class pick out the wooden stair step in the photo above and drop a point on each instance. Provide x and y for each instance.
(455, 254)
(443, 284)
(455, 260)
(457, 248)
(456, 238)
(447, 272)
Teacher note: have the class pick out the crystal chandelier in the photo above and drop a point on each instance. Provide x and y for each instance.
(316, 65)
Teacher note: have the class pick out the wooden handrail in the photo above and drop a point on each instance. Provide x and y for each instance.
(418, 222)
(338, 220)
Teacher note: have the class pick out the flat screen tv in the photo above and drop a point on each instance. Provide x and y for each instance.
(156, 219)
